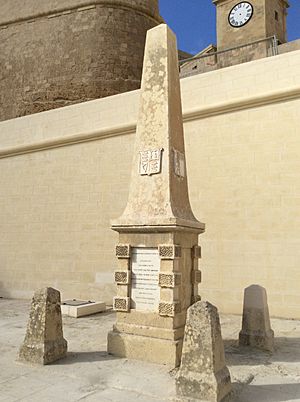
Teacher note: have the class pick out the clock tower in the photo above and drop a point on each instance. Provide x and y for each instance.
(241, 22)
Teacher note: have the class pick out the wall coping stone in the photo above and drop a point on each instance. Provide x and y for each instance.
(96, 114)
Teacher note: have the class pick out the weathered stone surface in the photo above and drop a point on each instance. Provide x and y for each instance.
(256, 329)
(61, 52)
(159, 198)
(203, 375)
(157, 228)
(44, 342)
(262, 24)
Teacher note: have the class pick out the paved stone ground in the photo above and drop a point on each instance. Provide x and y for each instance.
(89, 374)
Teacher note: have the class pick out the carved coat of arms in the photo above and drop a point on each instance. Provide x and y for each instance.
(150, 162)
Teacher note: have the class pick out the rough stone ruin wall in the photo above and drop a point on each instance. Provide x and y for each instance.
(58, 53)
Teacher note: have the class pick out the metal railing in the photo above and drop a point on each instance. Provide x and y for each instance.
(272, 51)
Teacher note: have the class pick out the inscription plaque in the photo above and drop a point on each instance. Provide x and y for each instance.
(145, 267)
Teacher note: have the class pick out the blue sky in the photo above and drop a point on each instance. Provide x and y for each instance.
(194, 22)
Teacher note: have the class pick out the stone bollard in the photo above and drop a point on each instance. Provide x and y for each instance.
(203, 375)
(44, 342)
(256, 328)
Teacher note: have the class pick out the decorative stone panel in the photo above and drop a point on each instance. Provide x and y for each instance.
(169, 309)
(121, 304)
(169, 279)
(169, 251)
(122, 277)
(123, 250)
(196, 276)
(196, 252)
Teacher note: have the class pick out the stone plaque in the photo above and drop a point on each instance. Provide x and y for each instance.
(179, 163)
(145, 267)
(150, 162)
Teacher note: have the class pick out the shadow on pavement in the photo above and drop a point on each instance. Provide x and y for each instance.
(85, 357)
(267, 393)
(286, 350)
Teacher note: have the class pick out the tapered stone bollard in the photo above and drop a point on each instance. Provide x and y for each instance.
(44, 342)
(203, 375)
(256, 329)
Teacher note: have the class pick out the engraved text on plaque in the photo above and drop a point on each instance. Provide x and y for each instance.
(145, 291)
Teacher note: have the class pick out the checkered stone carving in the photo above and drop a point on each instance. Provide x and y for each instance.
(196, 277)
(169, 279)
(196, 252)
(169, 252)
(122, 277)
(123, 251)
(169, 309)
(121, 304)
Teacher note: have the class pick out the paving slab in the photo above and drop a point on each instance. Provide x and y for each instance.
(89, 374)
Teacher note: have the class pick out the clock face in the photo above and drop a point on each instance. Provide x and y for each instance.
(240, 14)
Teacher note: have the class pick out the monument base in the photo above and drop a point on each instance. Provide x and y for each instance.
(204, 388)
(44, 352)
(153, 350)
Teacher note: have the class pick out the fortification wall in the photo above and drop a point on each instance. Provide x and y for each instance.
(56, 53)
(64, 174)
(18, 10)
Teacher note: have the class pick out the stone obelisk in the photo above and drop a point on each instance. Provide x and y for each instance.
(157, 277)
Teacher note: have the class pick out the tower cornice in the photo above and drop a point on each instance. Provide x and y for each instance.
(26, 11)
(217, 2)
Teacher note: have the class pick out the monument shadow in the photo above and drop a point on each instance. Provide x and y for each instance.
(286, 350)
(84, 357)
(267, 392)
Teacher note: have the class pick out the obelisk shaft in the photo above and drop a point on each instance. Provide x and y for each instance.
(158, 192)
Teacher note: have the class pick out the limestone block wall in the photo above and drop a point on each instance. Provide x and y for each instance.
(289, 46)
(245, 54)
(58, 197)
(263, 24)
(201, 65)
(64, 174)
(227, 36)
(276, 25)
(60, 52)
